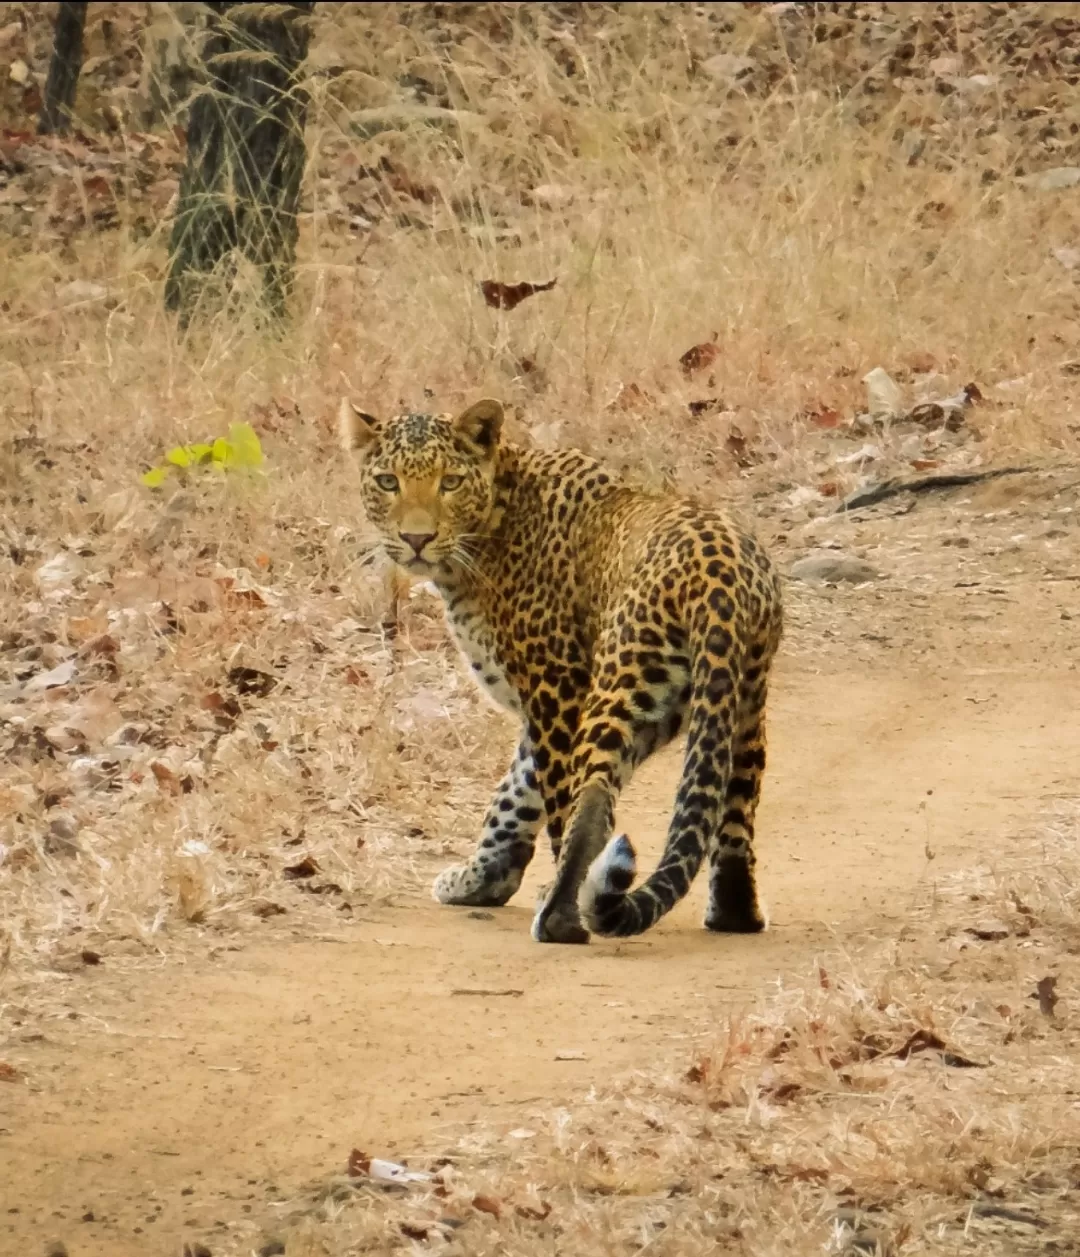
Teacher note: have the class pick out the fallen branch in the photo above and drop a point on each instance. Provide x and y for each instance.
(476, 990)
(893, 488)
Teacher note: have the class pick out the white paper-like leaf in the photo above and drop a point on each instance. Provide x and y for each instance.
(391, 1172)
(62, 674)
(883, 394)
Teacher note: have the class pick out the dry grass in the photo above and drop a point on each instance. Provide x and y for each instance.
(828, 211)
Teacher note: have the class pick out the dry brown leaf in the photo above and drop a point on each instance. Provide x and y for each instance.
(359, 1164)
(824, 417)
(509, 296)
(168, 781)
(307, 867)
(1046, 990)
(487, 1204)
(738, 446)
(705, 406)
(698, 357)
(8, 1073)
(533, 1214)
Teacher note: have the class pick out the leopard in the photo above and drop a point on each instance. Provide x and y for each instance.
(609, 618)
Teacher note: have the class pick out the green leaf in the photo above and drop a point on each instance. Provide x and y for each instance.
(155, 477)
(219, 452)
(178, 456)
(245, 450)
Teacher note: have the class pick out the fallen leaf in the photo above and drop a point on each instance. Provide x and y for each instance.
(706, 406)
(266, 908)
(81, 628)
(884, 399)
(509, 296)
(385, 1171)
(307, 867)
(989, 931)
(782, 1093)
(925, 464)
(829, 489)
(1046, 990)
(738, 447)
(926, 1041)
(251, 681)
(572, 1055)
(8, 1073)
(824, 417)
(62, 674)
(249, 599)
(355, 675)
(698, 357)
(534, 1215)
(824, 981)
(106, 644)
(414, 1230)
(168, 781)
(487, 1204)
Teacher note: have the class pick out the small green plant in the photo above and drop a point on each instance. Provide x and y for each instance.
(239, 450)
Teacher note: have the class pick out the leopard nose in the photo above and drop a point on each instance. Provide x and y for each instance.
(417, 540)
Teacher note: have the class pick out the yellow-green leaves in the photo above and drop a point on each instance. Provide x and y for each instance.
(240, 450)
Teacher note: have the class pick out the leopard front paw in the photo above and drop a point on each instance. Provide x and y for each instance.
(469, 886)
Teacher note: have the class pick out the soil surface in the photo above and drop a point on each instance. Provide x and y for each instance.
(917, 722)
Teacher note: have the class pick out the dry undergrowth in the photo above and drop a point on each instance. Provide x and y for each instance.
(916, 1097)
(203, 726)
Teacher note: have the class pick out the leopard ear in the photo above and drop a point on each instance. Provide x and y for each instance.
(356, 428)
(481, 424)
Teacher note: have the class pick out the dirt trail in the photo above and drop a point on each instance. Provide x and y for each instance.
(186, 1097)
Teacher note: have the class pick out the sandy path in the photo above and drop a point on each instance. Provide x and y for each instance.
(231, 1080)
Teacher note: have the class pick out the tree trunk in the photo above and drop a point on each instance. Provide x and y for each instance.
(64, 68)
(171, 63)
(240, 190)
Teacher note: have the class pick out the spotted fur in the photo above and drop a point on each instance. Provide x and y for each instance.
(610, 621)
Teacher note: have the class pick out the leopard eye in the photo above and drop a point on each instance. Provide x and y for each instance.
(449, 483)
(387, 482)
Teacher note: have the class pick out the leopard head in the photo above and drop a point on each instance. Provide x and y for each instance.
(427, 481)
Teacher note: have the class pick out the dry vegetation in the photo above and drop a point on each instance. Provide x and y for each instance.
(205, 728)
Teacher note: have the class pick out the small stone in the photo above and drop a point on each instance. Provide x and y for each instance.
(56, 1248)
(833, 568)
(989, 931)
(272, 1248)
(61, 836)
(477, 915)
